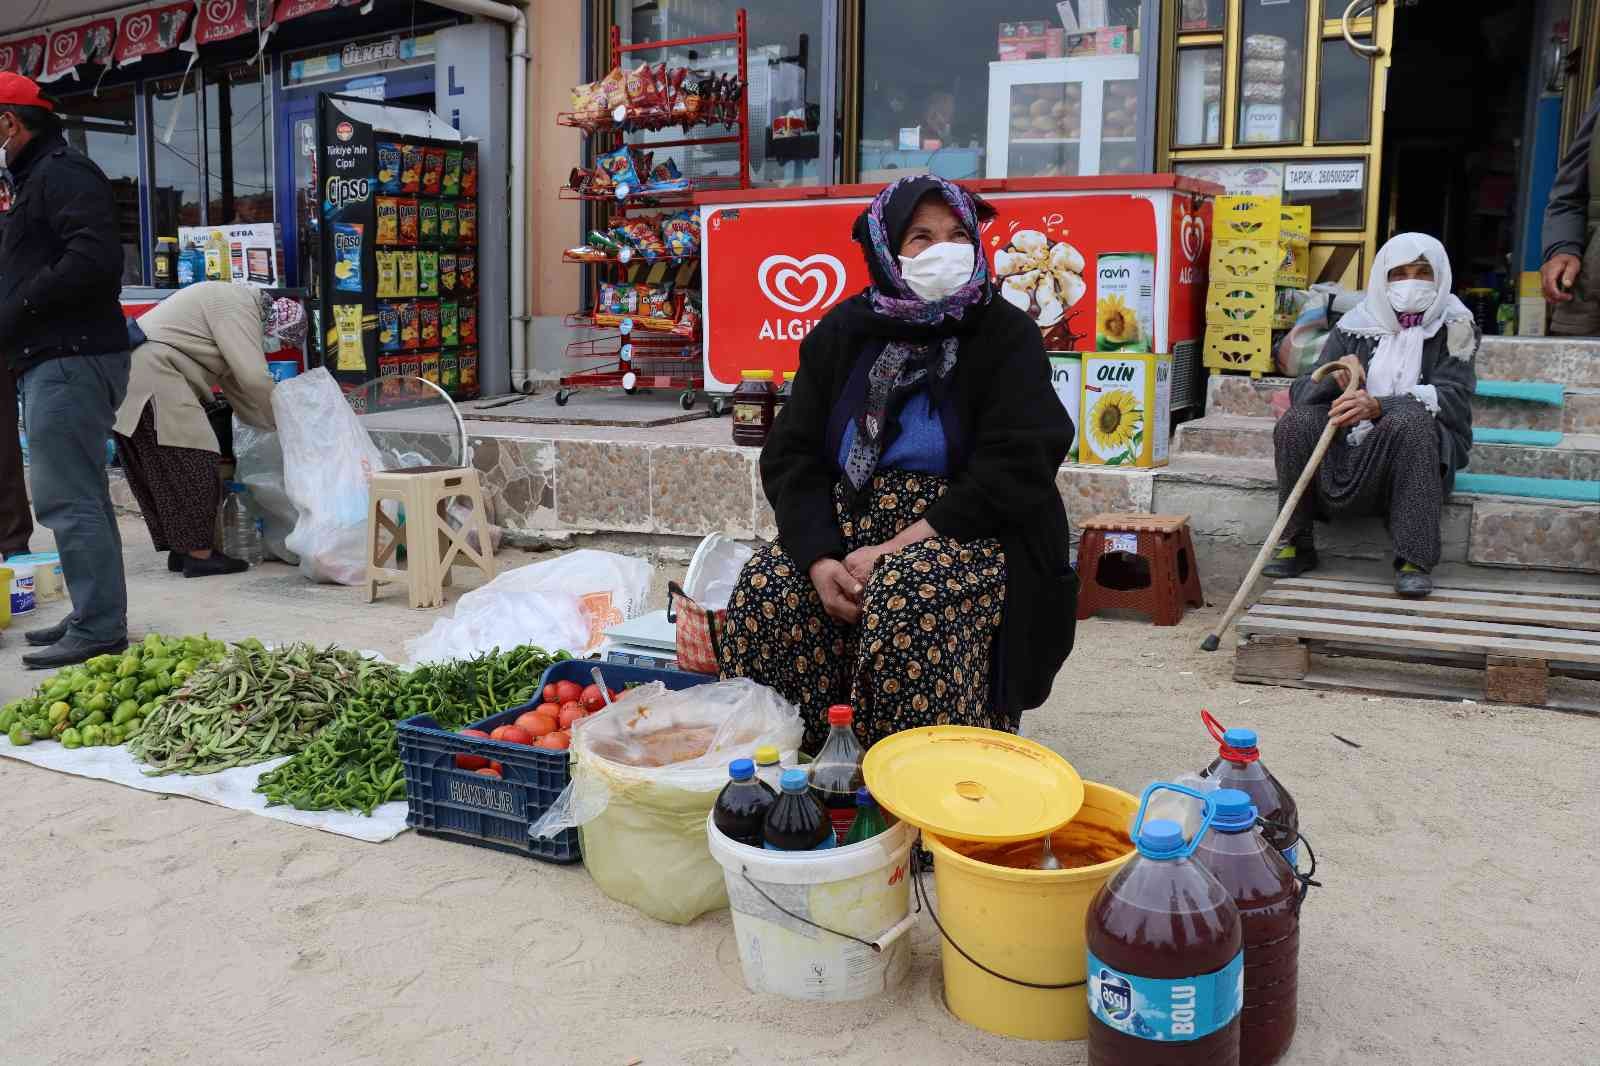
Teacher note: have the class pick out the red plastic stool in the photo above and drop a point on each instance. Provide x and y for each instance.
(1142, 562)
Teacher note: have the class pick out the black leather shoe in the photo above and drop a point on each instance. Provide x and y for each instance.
(1292, 566)
(43, 638)
(1413, 584)
(69, 651)
(213, 565)
(175, 562)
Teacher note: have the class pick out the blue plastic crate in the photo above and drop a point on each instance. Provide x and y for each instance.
(445, 800)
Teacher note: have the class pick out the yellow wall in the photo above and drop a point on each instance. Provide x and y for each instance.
(556, 28)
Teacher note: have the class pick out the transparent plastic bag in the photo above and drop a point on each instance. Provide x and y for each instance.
(328, 460)
(563, 604)
(258, 467)
(646, 772)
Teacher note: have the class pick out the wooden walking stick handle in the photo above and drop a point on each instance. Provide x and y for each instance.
(1356, 378)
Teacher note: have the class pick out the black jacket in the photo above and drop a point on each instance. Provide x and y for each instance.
(1566, 215)
(60, 260)
(1003, 481)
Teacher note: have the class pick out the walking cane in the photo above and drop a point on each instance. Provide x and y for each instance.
(1267, 546)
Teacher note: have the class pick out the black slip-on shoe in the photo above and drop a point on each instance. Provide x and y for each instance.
(43, 638)
(1413, 584)
(212, 566)
(69, 651)
(1286, 565)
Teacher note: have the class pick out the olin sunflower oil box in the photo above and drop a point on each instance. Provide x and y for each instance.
(1127, 409)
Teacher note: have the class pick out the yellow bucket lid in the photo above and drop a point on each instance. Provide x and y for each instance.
(973, 784)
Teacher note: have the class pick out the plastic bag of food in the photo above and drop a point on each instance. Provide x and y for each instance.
(566, 603)
(645, 773)
(328, 459)
(258, 459)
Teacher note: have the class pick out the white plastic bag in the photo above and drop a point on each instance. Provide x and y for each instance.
(714, 571)
(328, 459)
(646, 772)
(563, 604)
(259, 467)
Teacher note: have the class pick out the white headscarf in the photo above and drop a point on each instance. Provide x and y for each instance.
(1396, 367)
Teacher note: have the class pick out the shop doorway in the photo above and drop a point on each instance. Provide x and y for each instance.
(1455, 131)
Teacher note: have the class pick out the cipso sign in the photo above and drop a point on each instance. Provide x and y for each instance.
(341, 192)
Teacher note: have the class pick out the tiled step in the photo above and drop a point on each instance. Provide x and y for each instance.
(1235, 394)
(1232, 503)
(1567, 361)
(1238, 436)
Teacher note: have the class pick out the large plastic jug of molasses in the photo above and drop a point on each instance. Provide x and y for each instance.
(1238, 765)
(1166, 965)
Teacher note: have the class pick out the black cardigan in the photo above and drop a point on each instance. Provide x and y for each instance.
(1015, 434)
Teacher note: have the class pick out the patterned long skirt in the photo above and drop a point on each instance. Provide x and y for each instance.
(920, 653)
(1394, 473)
(177, 488)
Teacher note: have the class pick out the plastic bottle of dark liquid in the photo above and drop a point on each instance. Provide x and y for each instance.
(1238, 765)
(797, 821)
(1165, 966)
(836, 772)
(741, 809)
(1266, 892)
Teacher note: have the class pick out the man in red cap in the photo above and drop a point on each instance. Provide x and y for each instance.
(64, 339)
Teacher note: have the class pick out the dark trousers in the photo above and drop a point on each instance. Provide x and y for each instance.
(16, 521)
(70, 405)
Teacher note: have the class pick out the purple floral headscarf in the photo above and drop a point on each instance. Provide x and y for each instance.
(890, 295)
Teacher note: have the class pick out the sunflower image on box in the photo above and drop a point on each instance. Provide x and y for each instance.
(1127, 407)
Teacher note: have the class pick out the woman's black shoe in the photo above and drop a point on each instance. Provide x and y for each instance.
(216, 564)
(175, 562)
(1290, 561)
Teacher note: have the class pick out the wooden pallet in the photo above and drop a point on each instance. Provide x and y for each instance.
(1515, 641)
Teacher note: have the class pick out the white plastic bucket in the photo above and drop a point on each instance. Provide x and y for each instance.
(22, 598)
(48, 584)
(863, 890)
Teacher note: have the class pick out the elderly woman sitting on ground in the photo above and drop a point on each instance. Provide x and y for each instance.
(1407, 431)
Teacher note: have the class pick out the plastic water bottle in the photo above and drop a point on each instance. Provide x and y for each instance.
(1166, 959)
(1264, 888)
(768, 768)
(1238, 765)
(241, 532)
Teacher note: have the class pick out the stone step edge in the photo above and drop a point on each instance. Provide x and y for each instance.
(1262, 425)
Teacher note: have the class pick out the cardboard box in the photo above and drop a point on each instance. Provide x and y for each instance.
(1027, 39)
(1105, 41)
(1127, 408)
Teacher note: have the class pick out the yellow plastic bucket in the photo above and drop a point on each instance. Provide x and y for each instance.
(1028, 924)
(6, 574)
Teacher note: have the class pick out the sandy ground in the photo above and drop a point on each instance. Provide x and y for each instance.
(1458, 922)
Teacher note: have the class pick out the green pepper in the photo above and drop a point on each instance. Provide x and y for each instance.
(155, 667)
(99, 702)
(60, 728)
(95, 718)
(147, 690)
(113, 736)
(79, 682)
(132, 728)
(19, 736)
(128, 666)
(125, 710)
(70, 738)
(59, 712)
(91, 736)
(8, 718)
(125, 688)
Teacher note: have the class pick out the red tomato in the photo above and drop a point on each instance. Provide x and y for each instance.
(515, 734)
(616, 694)
(499, 732)
(568, 690)
(496, 767)
(550, 691)
(536, 724)
(555, 741)
(471, 762)
(592, 699)
(489, 771)
(571, 712)
(480, 734)
(552, 709)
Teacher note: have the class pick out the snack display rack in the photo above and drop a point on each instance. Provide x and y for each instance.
(640, 350)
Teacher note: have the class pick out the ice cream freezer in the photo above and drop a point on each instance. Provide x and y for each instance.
(1108, 264)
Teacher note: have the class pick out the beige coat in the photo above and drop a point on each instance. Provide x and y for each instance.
(204, 336)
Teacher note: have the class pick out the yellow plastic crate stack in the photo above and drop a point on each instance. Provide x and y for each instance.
(1242, 299)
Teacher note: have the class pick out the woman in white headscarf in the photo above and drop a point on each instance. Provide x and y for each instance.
(1408, 430)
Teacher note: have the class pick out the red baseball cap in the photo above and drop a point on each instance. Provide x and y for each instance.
(17, 91)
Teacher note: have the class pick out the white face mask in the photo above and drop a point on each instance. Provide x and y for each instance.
(1412, 297)
(939, 270)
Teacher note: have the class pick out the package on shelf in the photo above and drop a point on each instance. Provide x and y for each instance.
(655, 96)
(1127, 408)
(1244, 349)
(1294, 244)
(246, 254)
(1237, 303)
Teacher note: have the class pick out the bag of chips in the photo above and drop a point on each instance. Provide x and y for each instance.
(615, 87)
(680, 232)
(467, 321)
(469, 172)
(428, 222)
(405, 273)
(644, 92)
(449, 372)
(468, 220)
(407, 211)
(388, 275)
(347, 256)
(409, 337)
(466, 272)
(589, 107)
(389, 167)
(688, 324)
(410, 168)
(449, 324)
(619, 168)
(428, 322)
(447, 273)
(427, 273)
(430, 367)
(432, 171)
(450, 182)
(449, 222)
(388, 328)
(388, 220)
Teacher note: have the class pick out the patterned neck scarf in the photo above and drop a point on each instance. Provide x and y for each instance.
(914, 359)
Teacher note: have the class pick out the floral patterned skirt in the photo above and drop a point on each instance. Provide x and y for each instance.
(920, 653)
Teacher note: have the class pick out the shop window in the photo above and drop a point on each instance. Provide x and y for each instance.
(1004, 90)
(176, 166)
(238, 146)
(785, 62)
(103, 128)
(1201, 14)
(1272, 72)
(1199, 114)
(1344, 94)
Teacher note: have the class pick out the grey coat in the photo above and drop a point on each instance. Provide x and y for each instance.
(1566, 216)
(1450, 371)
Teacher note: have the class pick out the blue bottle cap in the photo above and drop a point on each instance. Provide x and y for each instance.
(1161, 839)
(741, 769)
(1240, 739)
(1236, 811)
(864, 798)
(795, 780)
